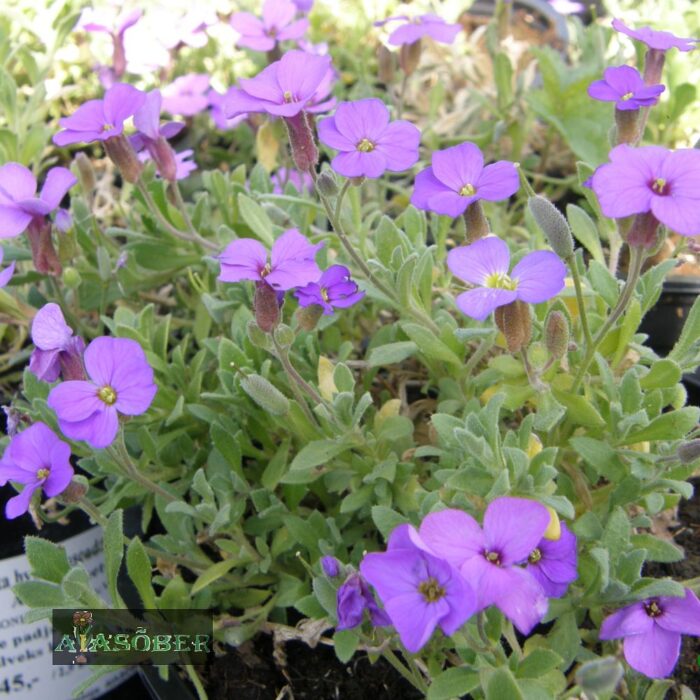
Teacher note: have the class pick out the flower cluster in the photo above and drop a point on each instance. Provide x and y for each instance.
(450, 568)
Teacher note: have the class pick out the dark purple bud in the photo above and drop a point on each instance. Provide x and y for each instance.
(556, 334)
(43, 253)
(71, 360)
(74, 492)
(123, 155)
(476, 223)
(354, 597)
(266, 307)
(513, 320)
(330, 566)
(164, 157)
(643, 231)
(301, 140)
(409, 57)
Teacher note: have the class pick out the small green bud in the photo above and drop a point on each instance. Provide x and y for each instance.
(75, 490)
(537, 355)
(326, 184)
(86, 173)
(599, 675)
(71, 278)
(556, 334)
(553, 224)
(308, 316)
(689, 451)
(284, 335)
(267, 396)
(258, 337)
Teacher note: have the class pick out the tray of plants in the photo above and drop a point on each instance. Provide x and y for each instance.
(350, 350)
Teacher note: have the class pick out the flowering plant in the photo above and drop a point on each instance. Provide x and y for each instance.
(363, 381)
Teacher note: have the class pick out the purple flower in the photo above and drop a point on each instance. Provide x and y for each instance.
(277, 25)
(419, 591)
(537, 277)
(6, 274)
(424, 25)
(488, 557)
(334, 289)
(652, 179)
(652, 631)
(99, 120)
(354, 597)
(291, 262)
(457, 178)
(304, 5)
(302, 181)
(322, 100)
(56, 348)
(368, 143)
(116, 30)
(553, 563)
(186, 95)
(283, 89)
(19, 205)
(217, 102)
(330, 566)
(660, 41)
(37, 458)
(320, 49)
(625, 87)
(120, 381)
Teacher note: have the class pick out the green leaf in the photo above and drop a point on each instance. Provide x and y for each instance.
(326, 595)
(603, 282)
(659, 690)
(254, 215)
(585, 231)
(276, 467)
(453, 683)
(663, 373)
(391, 353)
(537, 663)
(600, 457)
(657, 550)
(114, 553)
(386, 519)
(579, 409)
(668, 426)
(213, 573)
(502, 685)
(345, 643)
(316, 453)
(138, 566)
(686, 346)
(46, 559)
(430, 345)
(39, 594)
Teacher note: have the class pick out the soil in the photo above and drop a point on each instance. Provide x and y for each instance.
(250, 673)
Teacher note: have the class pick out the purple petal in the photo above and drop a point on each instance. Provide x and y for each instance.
(453, 535)
(498, 181)
(414, 619)
(525, 603)
(17, 182)
(45, 364)
(18, 505)
(479, 303)
(406, 34)
(75, 400)
(293, 273)
(60, 472)
(295, 30)
(14, 472)
(247, 24)
(301, 74)
(147, 118)
(6, 274)
(394, 573)
(329, 135)
(265, 85)
(623, 79)
(88, 117)
(654, 653)
(680, 614)
(600, 90)
(458, 166)
(257, 43)
(359, 164)
(239, 102)
(136, 399)
(242, 260)
(427, 187)
(631, 620)
(58, 182)
(476, 262)
(292, 246)
(362, 119)
(540, 276)
(278, 13)
(121, 102)
(49, 329)
(680, 214)
(399, 143)
(489, 581)
(98, 430)
(13, 221)
(513, 527)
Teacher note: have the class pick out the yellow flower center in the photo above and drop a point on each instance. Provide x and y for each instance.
(535, 556)
(108, 395)
(108, 127)
(324, 294)
(467, 190)
(659, 185)
(288, 97)
(431, 590)
(365, 146)
(266, 270)
(627, 96)
(652, 609)
(42, 473)
(493, 557)
(499, 280)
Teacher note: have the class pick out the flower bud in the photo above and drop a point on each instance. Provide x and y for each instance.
(689, 451)
(284, 335)
(74, 491)
(556, 334)
(257, 336)
(513, 320)
(643, 232)
(43, 252)
(301, 140)
(553, 225)
(164, 157)
(326, 184)
(123, 155)
(599, 675)
(409, 57)
(71, 360)
(265, 394)
(86, 174)
(266, 307)
(308, 316)
(386, 64)
(71, 278)
(476, 223)
(330, 566)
